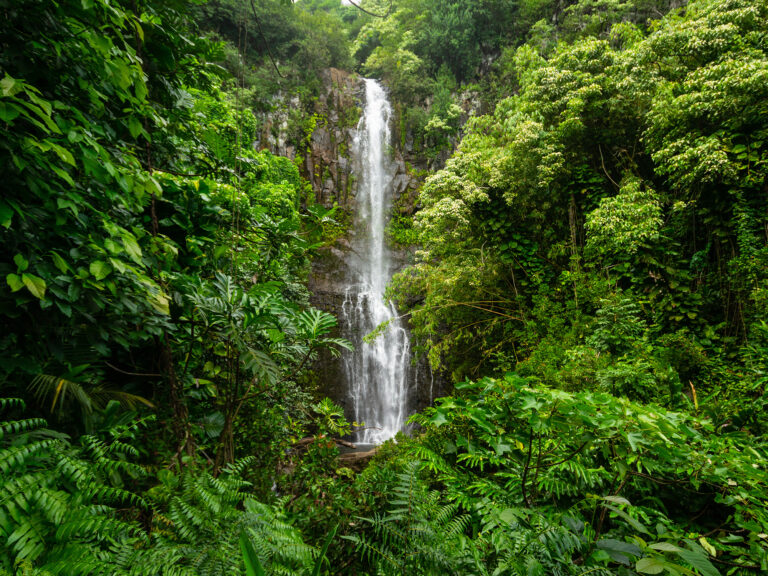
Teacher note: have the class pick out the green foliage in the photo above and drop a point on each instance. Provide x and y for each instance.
(417, 534)
(59, 503)
(276, 52)
(61, 392)
(623, 223)
(75, 188)
(288, 544)
(331, 421)
(247, 344)
(63, 510)
(511, 479)
(618, 170)
(131, 184)
(130, 190)
(524, 458)
(252, 564)
(203, 520)
(415, 39)
(602, 230)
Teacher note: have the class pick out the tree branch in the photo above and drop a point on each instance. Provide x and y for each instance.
(527, 468)
(387, 13)
(148, 375)
(266, 43)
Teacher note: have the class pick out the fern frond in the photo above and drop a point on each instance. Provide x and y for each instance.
(51, 520)
(87, 525)
(20, 426)
(185, 518)
(17, 488)
(76, 559)
(74, 469)
(238, 466)
(112, 495)
(456, 526)
(53, 504)
(27, 540)
(120, 448)
(17, 456)
(445, 513)
(208, 499)
(11, 403)
(372, 553)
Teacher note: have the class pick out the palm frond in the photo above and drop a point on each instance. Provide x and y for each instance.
(58, 391)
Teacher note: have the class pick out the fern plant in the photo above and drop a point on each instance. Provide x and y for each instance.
(58, 502)
(64, 510)
(197, 518)
(253, 342)
(419, 534)
(201, 519)
(549, 477)
(523, 542)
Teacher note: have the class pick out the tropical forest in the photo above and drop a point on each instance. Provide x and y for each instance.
(383, 287)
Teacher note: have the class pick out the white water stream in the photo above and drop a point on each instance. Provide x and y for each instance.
(377, 371)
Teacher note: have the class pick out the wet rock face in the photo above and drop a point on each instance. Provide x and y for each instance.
(331, 122)
(327, 165)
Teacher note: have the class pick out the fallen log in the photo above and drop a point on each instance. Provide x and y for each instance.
(310, 439)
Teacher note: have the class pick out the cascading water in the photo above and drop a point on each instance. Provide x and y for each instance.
(377, 371)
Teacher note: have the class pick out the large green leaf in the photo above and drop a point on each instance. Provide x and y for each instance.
(132, 248)
(8, 111)
(59, 262)
(636, 524)
(618, 550)
(6, 215)
(323, 553)
(21, 262)
(650, 565)
(252, 564)
(9, 86)
(100, 269)
(34, 284)
(697, 558)
(14, 281)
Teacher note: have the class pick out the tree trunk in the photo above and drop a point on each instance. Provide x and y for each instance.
(225, 453)
(185, 443)
(575, 268)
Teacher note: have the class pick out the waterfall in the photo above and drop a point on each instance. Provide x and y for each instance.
(376, 372)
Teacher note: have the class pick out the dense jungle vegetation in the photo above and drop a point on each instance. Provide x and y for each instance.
(590, 274)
